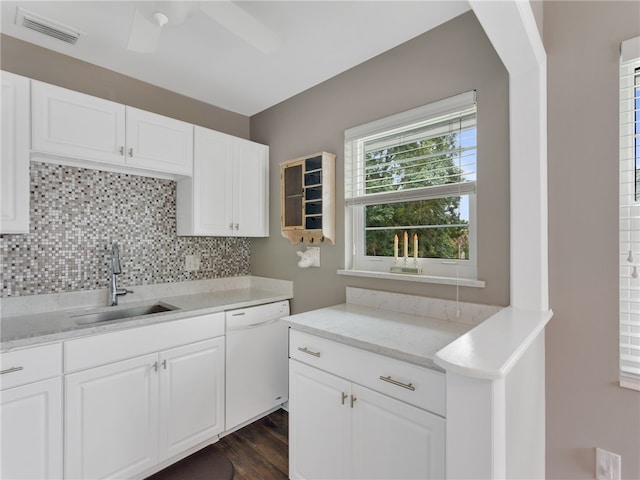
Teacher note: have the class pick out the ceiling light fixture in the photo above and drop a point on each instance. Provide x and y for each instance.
(160, 18)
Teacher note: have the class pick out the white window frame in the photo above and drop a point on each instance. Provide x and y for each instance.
(629, 230)
(355, 259)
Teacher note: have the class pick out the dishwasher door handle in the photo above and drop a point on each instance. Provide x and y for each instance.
(238, 328)
(261, 324)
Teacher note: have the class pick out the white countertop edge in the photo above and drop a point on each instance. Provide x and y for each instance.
(463, 282)
(490, 350)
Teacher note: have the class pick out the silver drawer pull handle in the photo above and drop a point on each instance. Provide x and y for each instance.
(408, 386)
(11, 370)
(306, 350)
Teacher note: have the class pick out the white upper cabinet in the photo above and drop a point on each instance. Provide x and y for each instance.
(228, 194)
(14, 159)
(155, 142)
(73, 124)
(80, 126)
(250, 183)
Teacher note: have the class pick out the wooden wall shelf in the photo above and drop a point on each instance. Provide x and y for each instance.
(307, 199)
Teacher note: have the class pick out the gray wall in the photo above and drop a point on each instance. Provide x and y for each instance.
(51, 67)
(451, 59)
(585, 407)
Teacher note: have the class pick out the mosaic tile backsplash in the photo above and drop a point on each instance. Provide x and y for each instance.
(76, 215)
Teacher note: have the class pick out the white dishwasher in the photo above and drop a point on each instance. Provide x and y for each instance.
(257, 349)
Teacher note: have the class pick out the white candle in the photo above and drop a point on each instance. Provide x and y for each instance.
(395, 246)
(415, 247)
(406, 245)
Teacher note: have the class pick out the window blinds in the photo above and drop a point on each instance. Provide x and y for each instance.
(630, 214)
(428, 152)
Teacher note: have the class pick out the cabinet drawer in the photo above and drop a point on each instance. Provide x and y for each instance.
(115, 346)
(410, 383)
(30, 365)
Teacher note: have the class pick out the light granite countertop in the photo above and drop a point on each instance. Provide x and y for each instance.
(410, 338)
(39, 327)
(405, 327)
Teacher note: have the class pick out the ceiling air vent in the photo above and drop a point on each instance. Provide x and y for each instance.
(46, 26)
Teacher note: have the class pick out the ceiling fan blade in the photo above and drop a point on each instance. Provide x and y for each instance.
(242, 24)
(144, 34)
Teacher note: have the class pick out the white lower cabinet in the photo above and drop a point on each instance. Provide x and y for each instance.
(125, 418)
(191, 396)
(31, 425)
(340, 429)
(394, 440)
(111, 418)
(319, 424)
(31, 413)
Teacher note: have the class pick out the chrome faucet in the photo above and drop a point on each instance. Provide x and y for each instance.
(116, 269)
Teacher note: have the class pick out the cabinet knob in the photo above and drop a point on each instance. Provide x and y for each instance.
(121, 151)
(131, 152)
(237, 226)
(344, 397)
(231, 226)
(353, 400)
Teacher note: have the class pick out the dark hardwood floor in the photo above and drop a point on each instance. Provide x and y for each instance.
(260, 451)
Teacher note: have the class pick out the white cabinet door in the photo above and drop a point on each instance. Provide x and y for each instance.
(204, 201)
(191, 395)
(228, 194)
(31, 428)
(111, 419)
(76, 125)
(251, 173)
(319, 424)
(14, 156)
(393, 440)
(156, 142)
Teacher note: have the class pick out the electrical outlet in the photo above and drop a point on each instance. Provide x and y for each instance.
(192, 263)
(608, 465)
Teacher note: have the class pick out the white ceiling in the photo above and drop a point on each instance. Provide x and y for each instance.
(201, 59)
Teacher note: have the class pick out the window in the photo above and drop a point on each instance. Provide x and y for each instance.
(630, 214)
(414, 172)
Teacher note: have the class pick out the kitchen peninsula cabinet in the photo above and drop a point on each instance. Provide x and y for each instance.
(340, 428)
(79, 126)
(31, 413)
(228, 194)
(125, 418)
(14, 156)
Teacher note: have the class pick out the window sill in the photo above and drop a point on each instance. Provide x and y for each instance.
(463, 282)
(629, 382)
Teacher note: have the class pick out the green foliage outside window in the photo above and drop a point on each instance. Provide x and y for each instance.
(442, 232)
